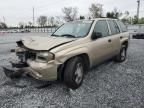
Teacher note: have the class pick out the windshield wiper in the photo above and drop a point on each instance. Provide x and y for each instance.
(55, 35)
(69, 35)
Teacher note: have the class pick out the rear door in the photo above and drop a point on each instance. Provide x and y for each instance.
(115, 35)
(124, 32)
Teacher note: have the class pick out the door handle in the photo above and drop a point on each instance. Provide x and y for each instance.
(121, 37)
(109, 40)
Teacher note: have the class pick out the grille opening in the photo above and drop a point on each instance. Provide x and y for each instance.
(31, 55)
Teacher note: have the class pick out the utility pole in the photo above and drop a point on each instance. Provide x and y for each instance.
(33, 16)
(138, 8)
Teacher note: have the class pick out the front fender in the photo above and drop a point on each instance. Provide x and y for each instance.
(63, 56)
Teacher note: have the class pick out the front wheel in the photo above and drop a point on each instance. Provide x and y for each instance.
(121, 57)
(74, 73)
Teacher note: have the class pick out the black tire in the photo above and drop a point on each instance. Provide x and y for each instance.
(121, 57)
(71, 77)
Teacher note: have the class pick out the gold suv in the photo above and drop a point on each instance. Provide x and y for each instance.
(72, 49)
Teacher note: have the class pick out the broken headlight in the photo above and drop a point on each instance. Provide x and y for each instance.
(44, 57)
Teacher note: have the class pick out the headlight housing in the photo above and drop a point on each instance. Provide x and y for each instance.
(44, 57)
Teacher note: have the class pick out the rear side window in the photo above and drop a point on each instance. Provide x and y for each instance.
(113, 26)
(102, 27)
(122, 26)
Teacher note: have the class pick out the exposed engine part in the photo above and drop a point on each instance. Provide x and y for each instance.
(19, 65)
(23, 56)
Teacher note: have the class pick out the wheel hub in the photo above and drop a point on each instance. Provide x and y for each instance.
(123, 54)
(79, 73)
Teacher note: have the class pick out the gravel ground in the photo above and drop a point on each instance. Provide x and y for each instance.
(110, 85)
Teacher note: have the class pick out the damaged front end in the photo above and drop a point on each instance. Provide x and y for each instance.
(24, 53)
(17, 70)
(38, 64)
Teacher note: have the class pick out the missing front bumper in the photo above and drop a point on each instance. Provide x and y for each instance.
(34, 69)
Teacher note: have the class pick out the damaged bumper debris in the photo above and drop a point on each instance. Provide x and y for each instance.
(17, 72)
(38, 64)
(38, 70)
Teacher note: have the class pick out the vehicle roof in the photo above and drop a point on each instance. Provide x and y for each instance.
(95, 19)
(105, 19)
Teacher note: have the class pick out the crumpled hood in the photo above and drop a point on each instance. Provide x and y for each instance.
(45, 43)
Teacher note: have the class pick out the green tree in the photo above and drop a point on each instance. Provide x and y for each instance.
(70, 13)
(110, 15)
(3, 25)
(135, 20)
(21, 25)
(96, 10)
(114, 14)
(42, 21)
(52, 21)
(82, 17)
(30, 23)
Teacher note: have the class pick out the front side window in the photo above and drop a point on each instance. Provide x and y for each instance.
(75, 29)
(102, 27)
(113, 26)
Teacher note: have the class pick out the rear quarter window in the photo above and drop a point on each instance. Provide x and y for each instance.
(113, 27)
(122, 26)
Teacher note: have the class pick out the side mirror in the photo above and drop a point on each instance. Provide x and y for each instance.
(96, 35)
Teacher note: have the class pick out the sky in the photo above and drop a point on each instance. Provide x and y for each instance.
(15, 11)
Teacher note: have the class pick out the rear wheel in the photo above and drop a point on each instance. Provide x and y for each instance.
(121, 57)
(74, 73)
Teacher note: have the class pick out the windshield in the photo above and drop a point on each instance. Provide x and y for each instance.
(75, 29)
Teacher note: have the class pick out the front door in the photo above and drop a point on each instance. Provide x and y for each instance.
(101, 47)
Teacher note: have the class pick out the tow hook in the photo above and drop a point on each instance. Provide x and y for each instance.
(17, 72)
